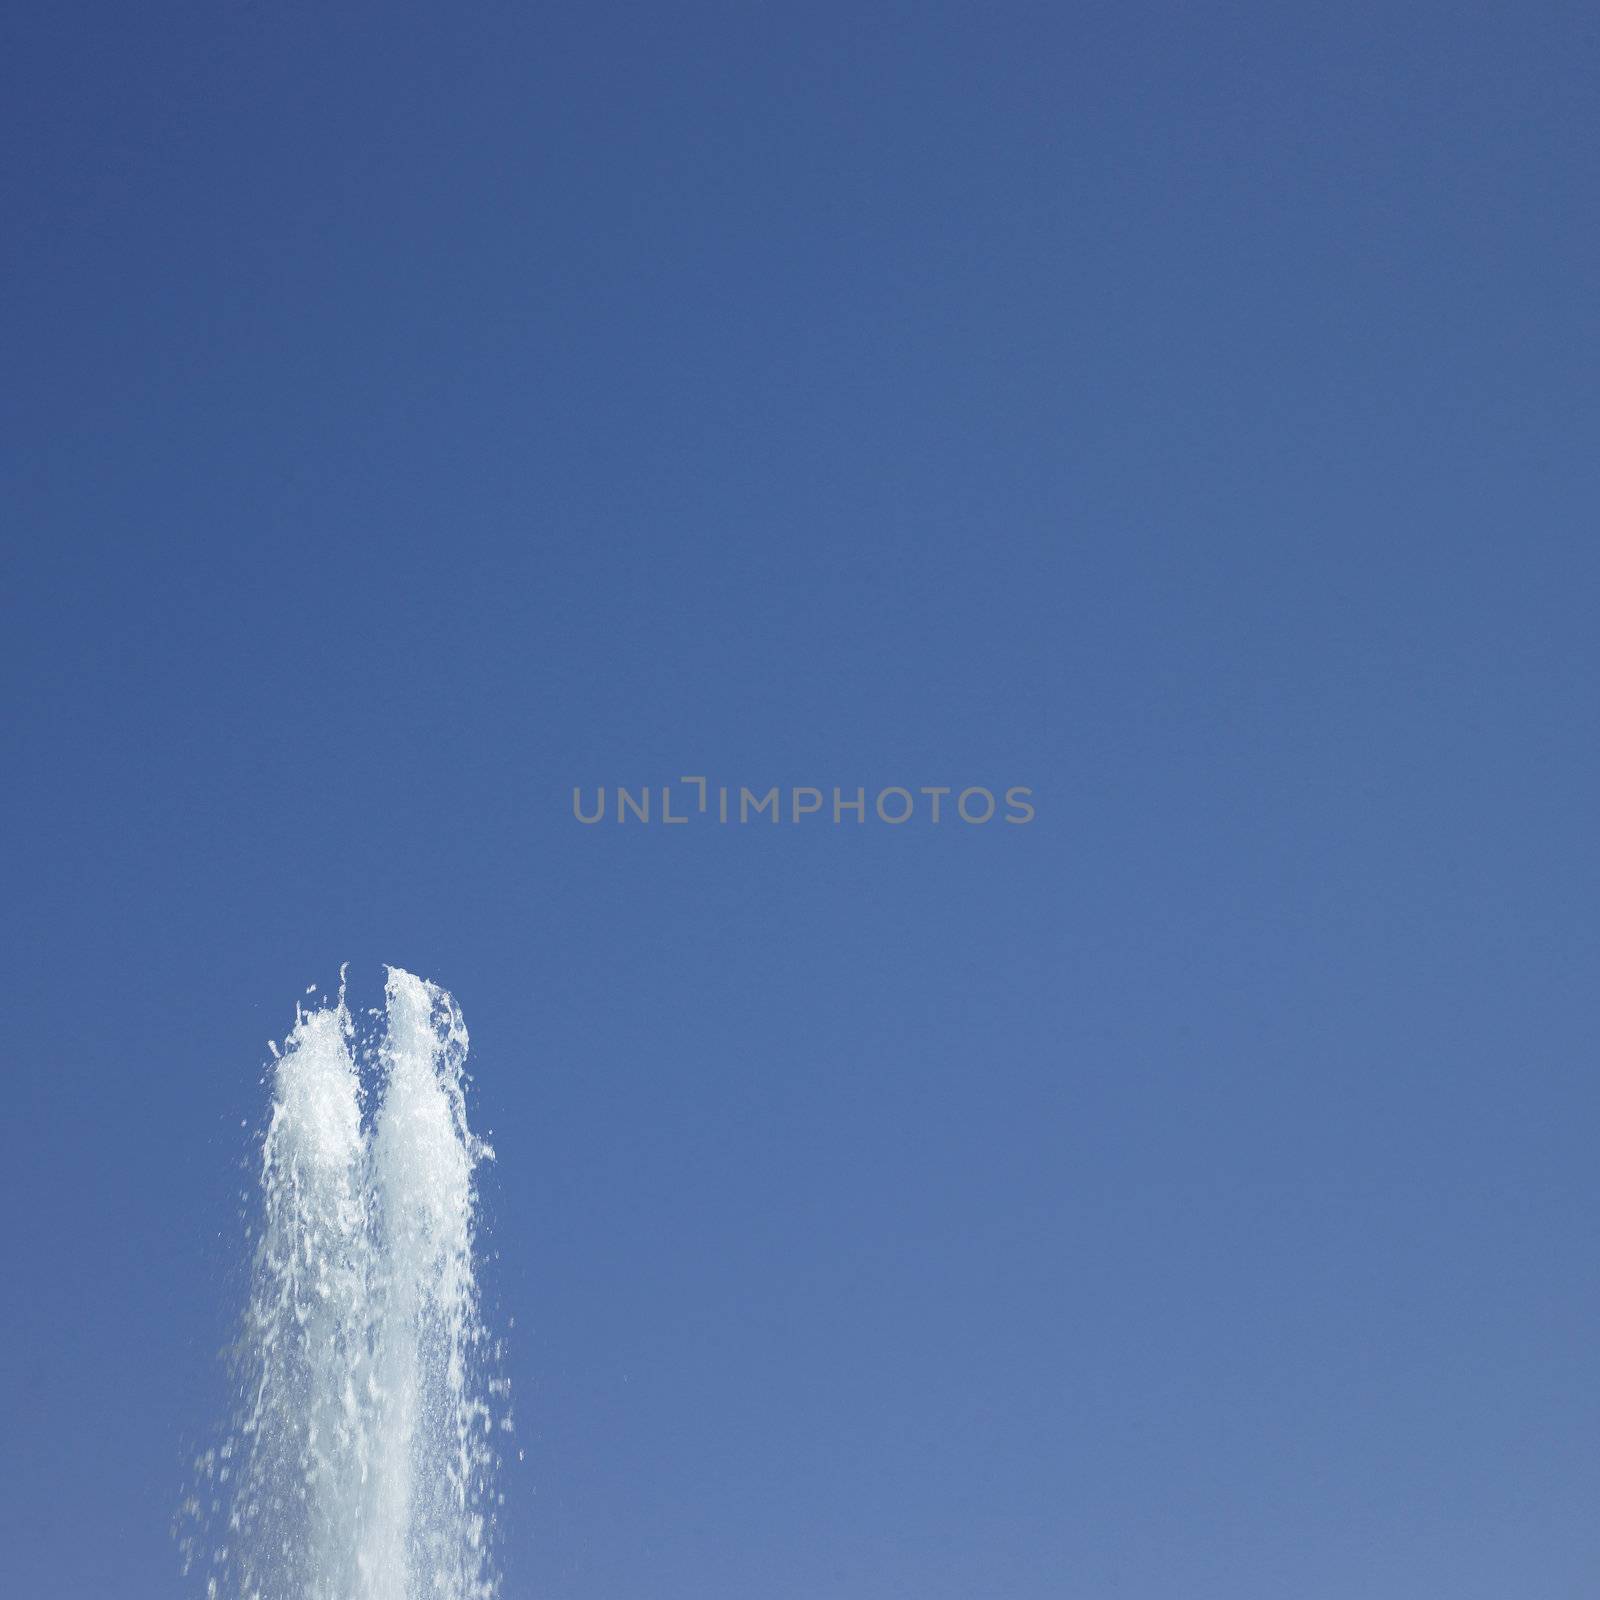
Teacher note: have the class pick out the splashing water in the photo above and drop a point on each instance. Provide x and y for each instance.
(360, 1464)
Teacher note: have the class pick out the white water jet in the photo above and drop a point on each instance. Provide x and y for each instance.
(360, 1464)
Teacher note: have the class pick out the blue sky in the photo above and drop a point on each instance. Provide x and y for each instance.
(1189, 413)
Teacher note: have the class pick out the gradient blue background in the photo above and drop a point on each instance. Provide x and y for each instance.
(1188, 411)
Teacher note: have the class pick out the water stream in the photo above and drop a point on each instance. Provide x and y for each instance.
(360, 1462)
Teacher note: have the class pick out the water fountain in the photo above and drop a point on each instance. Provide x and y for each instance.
(360, 1463)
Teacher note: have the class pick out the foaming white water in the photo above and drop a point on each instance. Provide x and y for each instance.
(360, 1465)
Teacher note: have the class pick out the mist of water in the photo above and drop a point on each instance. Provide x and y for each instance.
(360, 1464)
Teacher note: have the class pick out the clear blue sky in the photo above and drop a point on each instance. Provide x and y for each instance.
(414, 411)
